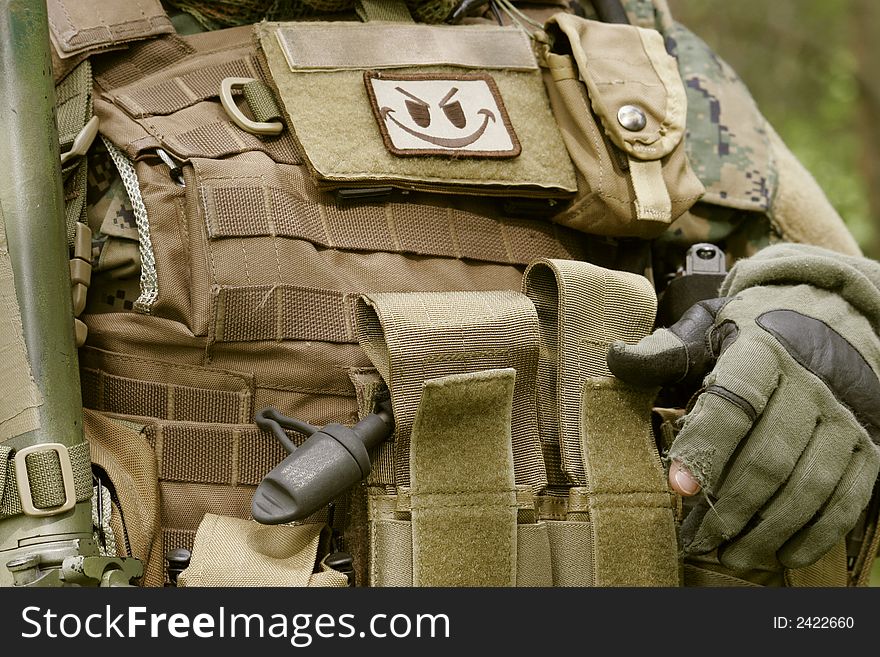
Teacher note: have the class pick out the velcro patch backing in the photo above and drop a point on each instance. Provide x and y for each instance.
(441, 114)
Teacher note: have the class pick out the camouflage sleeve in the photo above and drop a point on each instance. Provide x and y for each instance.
(757, 192)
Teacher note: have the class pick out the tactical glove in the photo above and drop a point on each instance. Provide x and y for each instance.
(784, 434)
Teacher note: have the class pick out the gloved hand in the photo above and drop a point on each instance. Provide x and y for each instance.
(784, 436)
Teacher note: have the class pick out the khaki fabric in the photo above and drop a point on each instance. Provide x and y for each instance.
(334, 124)
(641, 176)
(122, 452)
(581, 310)
(78, 26)
(571, 553)
(234, 552)
(412, 338)
(544, 557)
(602, 427)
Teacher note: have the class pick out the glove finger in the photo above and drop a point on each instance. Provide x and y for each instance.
(678, 354)
(735, 395)
(755, 472)
(840, 514)
(809, 487)
(656, 360)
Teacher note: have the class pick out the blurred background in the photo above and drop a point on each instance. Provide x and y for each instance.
(813, 67)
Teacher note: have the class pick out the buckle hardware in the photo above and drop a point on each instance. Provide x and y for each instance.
(82, 142)
(238, 118)
(22, 479)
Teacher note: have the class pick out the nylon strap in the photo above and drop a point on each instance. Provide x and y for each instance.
(393, 11)
(581, 308)
(652, 198)
(73, 109)
(45, 478)
(235, 552)
(603, 426)
(464, 505)
(414, 337)
(261, 102)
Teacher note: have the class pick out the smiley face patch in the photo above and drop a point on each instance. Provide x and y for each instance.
(453, 115)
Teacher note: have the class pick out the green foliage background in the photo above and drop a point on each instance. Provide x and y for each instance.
(811, 65)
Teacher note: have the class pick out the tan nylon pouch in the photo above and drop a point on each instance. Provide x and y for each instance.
(87, 26)
(235, 552)
(458, 109)
(631, 182)
(124, 454)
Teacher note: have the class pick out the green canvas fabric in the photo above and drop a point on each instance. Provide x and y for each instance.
(464, 506)
(634, 537)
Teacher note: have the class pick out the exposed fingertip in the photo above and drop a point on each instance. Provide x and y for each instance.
(682, 481)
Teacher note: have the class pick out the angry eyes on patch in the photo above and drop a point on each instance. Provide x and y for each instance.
(420, 111)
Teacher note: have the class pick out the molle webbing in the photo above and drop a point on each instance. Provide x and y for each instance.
(414, 337)
(230, 455)
(169, 107)
(582, 309)
(73, 109)
(279, 203)
(281, 312)
(185, 84)
(127, 385)
(77, 27)
(383, 10)
(45, 478)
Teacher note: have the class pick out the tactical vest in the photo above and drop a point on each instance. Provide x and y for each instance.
(330, 217)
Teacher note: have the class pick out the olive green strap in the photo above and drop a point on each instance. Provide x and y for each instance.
(602, 426)
(73, 110)
(261, 102)
(45, 478)
(464, 506)
(391, 11)
(634, 537)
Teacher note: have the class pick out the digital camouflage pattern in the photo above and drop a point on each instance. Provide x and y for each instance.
(115, 254)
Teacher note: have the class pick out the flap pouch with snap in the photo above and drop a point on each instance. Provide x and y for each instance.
(621, 104)
(457, 109)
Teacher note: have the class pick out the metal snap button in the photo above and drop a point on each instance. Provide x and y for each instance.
(632, 118)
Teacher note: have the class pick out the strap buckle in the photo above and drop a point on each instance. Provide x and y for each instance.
(238, 118)
(22, 479)
(82, 142)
